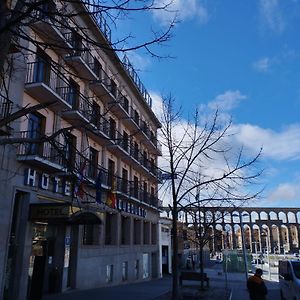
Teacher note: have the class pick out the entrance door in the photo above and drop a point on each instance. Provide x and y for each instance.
(45, 268)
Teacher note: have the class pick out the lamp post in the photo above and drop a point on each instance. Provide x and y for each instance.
(243, 243)
(266, 234)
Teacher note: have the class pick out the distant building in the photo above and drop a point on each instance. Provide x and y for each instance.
(79, 210)
(165, 244)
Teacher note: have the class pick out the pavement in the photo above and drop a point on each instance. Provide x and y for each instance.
(159, 289)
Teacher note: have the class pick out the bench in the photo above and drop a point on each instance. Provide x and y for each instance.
(196, 276)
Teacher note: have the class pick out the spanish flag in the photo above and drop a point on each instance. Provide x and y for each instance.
(111, 200)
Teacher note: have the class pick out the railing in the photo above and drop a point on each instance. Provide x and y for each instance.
(86, 56)
(5, 107)
(45, 150)
(44, 72)
(133, 74)
(78, 101)
(94, 6)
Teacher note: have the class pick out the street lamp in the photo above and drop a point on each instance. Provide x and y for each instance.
(243, 242)
(266, 234)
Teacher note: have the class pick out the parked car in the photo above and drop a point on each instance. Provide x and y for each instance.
(289, 279)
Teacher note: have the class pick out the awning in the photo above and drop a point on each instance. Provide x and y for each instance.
(62, 213)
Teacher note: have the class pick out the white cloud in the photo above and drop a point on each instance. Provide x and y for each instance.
(283, 145)
(262, 65)
(227, 101)
(183, 9)
(138, 61)
(157, 103)
(271, 15)
(285, 191)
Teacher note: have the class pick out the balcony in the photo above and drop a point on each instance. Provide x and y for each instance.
(42, 83)
(5, 110)
(81, 107)
(104, 87)
(120, 107)
(43, 155)
(52, 30)
(83, 62)
(123, 187)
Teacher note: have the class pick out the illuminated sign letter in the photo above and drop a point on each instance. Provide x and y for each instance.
(30, 175)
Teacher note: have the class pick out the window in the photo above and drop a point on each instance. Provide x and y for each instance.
(109, 273)
(72, 96)
(112, 129)
(111, 172)
(111, 225)
(153, 234)
(95, 116)
(146, 234)
(137, 269)
(137, 231)
(145, 159)
(136, 151)
(42, 67)
(125, 141)
(93, 163)
(97, 68)
(125, 230)
(145, 265)
(90, 234)
(70, 149)
(76, 43)
(135, 187)
(36, 127)
(126, 104)
(113, 88)
(136, 117)
(125, 271)
(124, 181)
(145, 193)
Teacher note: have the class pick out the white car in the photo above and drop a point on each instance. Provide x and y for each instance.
(289, 279)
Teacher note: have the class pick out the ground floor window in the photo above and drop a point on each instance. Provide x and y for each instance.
(145, 265)
(137, 269)
(125, 271)
(90, 234)
(109, 273)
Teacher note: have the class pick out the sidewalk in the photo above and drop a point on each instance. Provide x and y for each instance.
(159, 289)
(154, 289)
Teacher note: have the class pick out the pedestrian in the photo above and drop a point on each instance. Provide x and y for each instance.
(256, 286)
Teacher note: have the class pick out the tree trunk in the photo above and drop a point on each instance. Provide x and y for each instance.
(201, 263)
(175, 254)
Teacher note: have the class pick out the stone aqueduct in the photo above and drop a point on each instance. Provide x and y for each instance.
(279, 227)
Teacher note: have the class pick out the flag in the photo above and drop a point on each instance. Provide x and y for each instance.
(79, 191)
(98, 187)
(111, 199)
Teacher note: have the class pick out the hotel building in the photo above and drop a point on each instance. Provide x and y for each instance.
(79, 208)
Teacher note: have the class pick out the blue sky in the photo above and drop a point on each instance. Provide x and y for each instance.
(244, 56)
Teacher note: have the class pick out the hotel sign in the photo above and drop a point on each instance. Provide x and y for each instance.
(46, 182)
(51, 211)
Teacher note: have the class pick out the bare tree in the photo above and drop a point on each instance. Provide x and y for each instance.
(199, 158)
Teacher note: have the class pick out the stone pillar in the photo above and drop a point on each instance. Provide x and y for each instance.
(290, 240)
(271, 240)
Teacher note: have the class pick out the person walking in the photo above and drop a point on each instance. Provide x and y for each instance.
(256, 286)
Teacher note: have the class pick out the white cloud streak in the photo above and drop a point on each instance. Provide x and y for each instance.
(182, 9)
(271, 15)
(283, 145)
(262, 65)
(286, 191)
(227, 101)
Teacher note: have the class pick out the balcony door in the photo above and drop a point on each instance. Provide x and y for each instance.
(111, 172)
(73, 94)
(36, 128)
(42, 67)
(70, 150)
